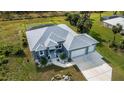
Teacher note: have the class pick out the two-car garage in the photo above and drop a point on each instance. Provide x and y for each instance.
(79, 52)
(82, 51)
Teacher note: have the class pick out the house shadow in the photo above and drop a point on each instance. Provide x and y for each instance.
(98, 38)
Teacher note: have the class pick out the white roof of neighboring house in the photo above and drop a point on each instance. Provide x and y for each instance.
(115, 21)
(41, 38)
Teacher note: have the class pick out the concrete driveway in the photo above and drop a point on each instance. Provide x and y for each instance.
(94, 68)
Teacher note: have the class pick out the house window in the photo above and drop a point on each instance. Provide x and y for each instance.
(57, 47)
(41, 53)
(48, 57)
(60, 46)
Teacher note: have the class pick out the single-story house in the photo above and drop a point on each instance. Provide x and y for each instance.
(51, 40)
(113, 22)
(109, 17)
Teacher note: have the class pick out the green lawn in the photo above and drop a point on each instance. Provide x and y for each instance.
(19, 69)
(115, 58)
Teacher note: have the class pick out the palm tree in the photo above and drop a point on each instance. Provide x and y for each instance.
(119, 28)
(115, 12)
(100, 15)
(115, 31)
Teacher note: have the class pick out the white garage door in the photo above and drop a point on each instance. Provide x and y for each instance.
(78, 52)
(91, 48)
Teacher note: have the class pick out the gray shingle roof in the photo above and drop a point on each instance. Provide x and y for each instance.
(33, 37)
(79, 41)
(40, 39)
(50, 43)
(56, 38)
(39, 36)
(40, 47)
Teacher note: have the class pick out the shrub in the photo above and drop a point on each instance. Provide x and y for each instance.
(24, 39)
(20, 53)
(24, 42)
(6, 50)
(122, 45)
(3, 60)
(43, 61)
(63, 56)
(66, 14)
(113, 44)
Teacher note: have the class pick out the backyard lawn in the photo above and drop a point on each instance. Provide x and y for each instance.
(19, 69)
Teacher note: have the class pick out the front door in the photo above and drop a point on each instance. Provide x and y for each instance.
(52, 53)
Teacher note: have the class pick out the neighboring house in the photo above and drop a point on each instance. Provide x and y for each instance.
(109, 17)
(113, 22)
(50, 41)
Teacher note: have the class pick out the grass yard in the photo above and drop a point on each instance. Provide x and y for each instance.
(115, 58)
(19, 69)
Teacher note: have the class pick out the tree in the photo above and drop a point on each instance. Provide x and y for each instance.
(87, 25)
(66, 14)
(85, 14)
(100, 15)
(84, 25)
(115, 31)
(119, 28)
(74, 19)
(115, 12)
(69, 17)
(80, 25)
